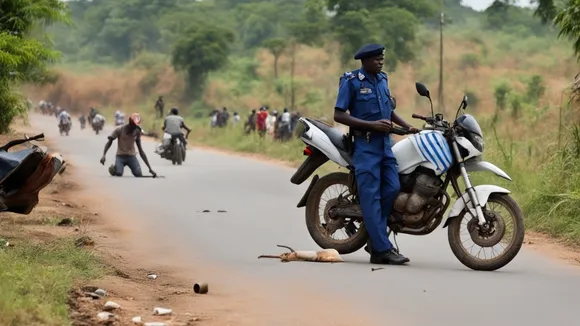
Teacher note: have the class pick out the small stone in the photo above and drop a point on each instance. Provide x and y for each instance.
(155, 323)
(103, 315)
(151, 276)
(110, 305)
(222, 211)
(137, 320)
(162, 311)
(206, 211)
(101, 292)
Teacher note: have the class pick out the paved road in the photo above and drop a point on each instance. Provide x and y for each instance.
(261, 212)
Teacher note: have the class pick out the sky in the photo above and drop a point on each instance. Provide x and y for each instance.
(483, 4)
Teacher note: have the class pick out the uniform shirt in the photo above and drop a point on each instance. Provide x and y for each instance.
(370, 101)
(367, 98)
(125, 139)
(173, 124)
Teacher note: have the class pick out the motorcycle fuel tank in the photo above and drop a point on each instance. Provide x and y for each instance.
(428, 149)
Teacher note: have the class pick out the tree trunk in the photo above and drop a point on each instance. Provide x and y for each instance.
(292, 89)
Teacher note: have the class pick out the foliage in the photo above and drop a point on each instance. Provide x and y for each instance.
(201, 49)
(22, 57)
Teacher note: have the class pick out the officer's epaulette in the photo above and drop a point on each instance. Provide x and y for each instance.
(383, 73)
(348, 75)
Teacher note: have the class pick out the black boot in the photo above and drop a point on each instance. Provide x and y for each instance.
(388, 257)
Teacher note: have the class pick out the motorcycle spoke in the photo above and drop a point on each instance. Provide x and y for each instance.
(496, 250)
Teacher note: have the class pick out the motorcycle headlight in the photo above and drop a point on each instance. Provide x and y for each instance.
(477, 142)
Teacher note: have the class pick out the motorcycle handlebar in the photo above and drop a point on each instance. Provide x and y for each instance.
(418, 116)
(400, 131)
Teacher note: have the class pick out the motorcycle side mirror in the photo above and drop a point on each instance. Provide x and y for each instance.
(394, 100)
(464, 101)
(422, 90)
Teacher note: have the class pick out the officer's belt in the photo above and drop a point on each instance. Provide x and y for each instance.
(359, 133)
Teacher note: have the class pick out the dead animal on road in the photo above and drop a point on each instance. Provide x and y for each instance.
(322, 256)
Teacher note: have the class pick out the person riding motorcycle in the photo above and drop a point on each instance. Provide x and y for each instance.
(98, 119)
(172, 125)
(63, 119)
(82, 121)
(119, 118)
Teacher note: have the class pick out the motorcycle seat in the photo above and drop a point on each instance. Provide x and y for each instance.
(334, 134)
(9, 161)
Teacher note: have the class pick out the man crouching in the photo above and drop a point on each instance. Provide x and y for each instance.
(127, 136)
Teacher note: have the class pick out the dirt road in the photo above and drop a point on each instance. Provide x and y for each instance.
(260, 204)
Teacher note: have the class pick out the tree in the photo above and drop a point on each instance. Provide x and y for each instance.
(22, 57)
(276, 46)
(201, 49)
(567, 18)
(378, 21)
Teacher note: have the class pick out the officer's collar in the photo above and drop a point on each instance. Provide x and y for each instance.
(362, 74)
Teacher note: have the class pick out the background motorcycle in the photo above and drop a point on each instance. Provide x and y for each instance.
(65, 127)
(171, 148)
(98, 126)
(427, 162)
(24, 173)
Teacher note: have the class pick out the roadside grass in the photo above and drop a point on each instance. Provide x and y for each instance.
(35, 280)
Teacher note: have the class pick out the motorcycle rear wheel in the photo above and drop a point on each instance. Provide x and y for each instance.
(316, 230)
(514, 246)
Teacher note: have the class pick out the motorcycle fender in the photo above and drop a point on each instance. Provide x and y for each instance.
(482, 192)
(304, 198)
(486, 166)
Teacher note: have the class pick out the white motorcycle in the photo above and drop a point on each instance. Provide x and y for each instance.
(427, 162)
(171, 148)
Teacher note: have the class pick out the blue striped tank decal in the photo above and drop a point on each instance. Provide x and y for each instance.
(434, 148)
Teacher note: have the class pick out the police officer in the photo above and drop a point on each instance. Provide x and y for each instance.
(365, 94)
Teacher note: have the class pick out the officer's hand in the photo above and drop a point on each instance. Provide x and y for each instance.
(103, 160)
(383, 125)
(414, 130)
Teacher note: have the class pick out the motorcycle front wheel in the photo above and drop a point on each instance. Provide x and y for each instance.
(502, 235)
(322, 231)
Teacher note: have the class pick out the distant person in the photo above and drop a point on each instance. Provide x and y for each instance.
(127, 136)
(159, 105)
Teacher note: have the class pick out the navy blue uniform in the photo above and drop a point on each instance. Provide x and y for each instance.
(367, 97)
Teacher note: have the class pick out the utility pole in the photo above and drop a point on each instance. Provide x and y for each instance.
(441, 22)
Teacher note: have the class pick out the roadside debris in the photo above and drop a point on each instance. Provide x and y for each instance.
(161, 311)
(323, 256)
(201, 288)
(376, 269)
(151, 275)
(84, 241)
(103, 315)
(137, 320)
(101, 292)
(110, 305)
(222, 211)
(65, 222)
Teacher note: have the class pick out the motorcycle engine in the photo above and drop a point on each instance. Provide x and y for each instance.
(411, 203)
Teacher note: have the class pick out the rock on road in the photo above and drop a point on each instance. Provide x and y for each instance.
(435, 289)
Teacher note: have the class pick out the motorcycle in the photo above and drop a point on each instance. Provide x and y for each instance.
(24, 173)
(427, 163)
(171, 148)
(65, 127)
(98, 126)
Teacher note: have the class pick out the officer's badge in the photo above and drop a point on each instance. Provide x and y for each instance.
(366, 90)
(361, 76)
(348, 75)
